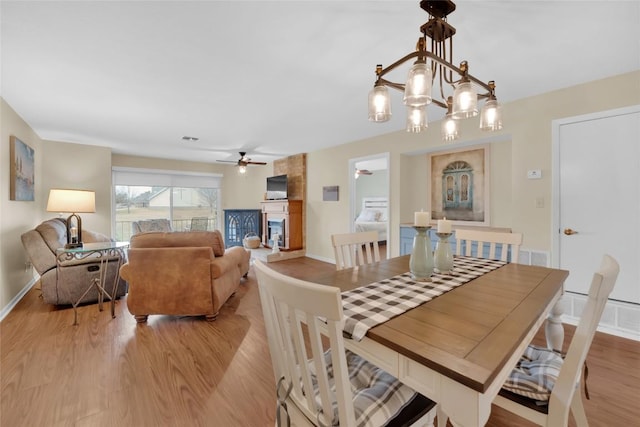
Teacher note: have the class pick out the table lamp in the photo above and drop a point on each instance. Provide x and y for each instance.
(74, 202)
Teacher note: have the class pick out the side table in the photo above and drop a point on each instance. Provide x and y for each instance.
(105, 252)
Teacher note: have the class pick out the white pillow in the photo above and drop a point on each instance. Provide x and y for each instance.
(369, 215)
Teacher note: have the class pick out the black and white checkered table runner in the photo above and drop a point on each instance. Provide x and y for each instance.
(371, 305)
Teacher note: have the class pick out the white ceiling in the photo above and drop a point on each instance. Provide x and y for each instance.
(274, 78)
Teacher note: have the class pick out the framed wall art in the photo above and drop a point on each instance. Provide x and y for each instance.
(459, 188)
(22, 170)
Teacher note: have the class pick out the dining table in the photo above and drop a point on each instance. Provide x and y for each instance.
(459, 347)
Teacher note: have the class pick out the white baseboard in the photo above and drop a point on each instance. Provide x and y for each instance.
(7, 309)
(619, 318)
(319, 258)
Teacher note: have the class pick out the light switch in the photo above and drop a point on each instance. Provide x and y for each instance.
(534, 174)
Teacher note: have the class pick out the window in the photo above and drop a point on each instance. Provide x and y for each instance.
(187, 200)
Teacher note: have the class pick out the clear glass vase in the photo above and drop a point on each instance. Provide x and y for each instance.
(421, 260)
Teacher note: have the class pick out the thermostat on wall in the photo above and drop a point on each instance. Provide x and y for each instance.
(534, 174)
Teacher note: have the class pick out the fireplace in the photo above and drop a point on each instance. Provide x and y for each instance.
(276, 226)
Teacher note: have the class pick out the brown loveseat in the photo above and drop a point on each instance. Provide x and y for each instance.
(182, 273)
(66, 281)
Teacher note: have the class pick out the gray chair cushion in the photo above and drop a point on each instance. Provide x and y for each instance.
(378, 397)
(535, 374)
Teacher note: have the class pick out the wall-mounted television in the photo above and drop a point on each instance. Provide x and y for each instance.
(277, 187)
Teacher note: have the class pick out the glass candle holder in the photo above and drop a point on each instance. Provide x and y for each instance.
(421, 260)
(443, 257)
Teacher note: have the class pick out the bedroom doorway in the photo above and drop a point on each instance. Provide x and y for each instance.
(369, 196)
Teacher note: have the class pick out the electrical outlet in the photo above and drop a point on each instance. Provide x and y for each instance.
(27, 266)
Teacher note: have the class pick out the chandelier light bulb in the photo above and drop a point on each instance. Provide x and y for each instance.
(416, 119)
(450, 129)
(491, 116)
(379, 104)
(417, 91)
(465, 101)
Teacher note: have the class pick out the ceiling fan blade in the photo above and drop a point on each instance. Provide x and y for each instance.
(227, 161)
(256, 163)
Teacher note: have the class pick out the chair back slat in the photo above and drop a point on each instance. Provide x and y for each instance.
(508, 243)
(297, 315)
(348, 249)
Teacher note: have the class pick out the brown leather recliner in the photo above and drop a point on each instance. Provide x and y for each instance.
(64, 282)
(182, 273)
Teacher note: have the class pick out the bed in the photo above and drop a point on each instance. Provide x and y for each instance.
(373, 216)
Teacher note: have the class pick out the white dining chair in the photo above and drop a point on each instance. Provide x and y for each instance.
(548, 402)
(317, 386)
(473, 243)
(354, 249)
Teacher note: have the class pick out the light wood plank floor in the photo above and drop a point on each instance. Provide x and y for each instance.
(184, 371)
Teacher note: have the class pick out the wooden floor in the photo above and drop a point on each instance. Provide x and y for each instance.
(184, 371)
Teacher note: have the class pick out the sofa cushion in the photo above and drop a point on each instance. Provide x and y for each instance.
(218, 243)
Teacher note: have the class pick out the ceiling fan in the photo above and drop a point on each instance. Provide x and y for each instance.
(362, 172)
(242, 162)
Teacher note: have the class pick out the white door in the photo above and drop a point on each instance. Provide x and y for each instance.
(598, 184)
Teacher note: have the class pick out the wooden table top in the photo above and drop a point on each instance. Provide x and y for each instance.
(470, 332)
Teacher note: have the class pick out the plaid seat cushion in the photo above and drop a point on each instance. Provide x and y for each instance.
(378, 397)
(535, 374)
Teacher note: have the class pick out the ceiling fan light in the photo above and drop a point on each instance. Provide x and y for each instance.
(465, 101)
(417, 90)
(416, 119)
(450, 129)
(379, 104)
(491, 116)
(242, 169)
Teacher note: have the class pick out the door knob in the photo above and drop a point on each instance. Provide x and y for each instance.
(569, 231)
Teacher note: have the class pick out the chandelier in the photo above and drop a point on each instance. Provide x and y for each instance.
(434, 68)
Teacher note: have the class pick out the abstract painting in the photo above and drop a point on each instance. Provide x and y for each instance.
(21, 183)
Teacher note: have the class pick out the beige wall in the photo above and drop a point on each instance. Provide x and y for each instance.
(523, 144)
(16, 216)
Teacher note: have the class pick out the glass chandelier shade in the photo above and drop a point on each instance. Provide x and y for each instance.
(379, 104)
(449, 129)
(416, 119)
(417, 90)
(465, 101)
(491, 116)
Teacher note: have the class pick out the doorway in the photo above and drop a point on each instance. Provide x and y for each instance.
(369, 196)
(597, 188)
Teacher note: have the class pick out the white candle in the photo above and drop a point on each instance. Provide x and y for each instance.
(444, 226)
(421, 219)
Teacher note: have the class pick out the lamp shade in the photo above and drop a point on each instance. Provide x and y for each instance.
(379, 104)
(491, 116)
(72, 201)
(417, 91)
(416, 119)
(449, 129)
(465, 101)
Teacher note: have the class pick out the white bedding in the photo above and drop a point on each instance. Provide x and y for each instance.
(380, 227)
